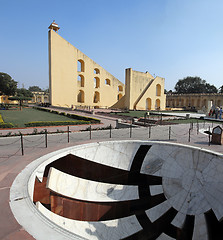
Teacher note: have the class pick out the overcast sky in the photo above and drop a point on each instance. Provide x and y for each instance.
(168, 38)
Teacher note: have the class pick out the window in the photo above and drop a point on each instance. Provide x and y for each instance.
(96, 82)
(96, 71)
(120, 88)
(80, 80)
(119, 96)
(158, 90)
(107, 82)
(182, 102)
(96, 97)
(39, 99)
(148, 103)
(157, 104)
(80, 65)
(80, 97)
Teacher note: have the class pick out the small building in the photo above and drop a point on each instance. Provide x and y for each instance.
(197, 101)
(40, 97)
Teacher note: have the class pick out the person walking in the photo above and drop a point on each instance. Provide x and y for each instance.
(216, 113)
(220, 113)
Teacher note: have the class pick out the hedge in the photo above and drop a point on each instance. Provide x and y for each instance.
(6, 125)
(92, 120)
(54, 123)
(70, 115)
(1, 120)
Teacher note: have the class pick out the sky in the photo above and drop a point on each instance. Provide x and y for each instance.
(172, 39)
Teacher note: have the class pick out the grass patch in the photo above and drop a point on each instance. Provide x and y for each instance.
(190, 120)
(20, 118)
(136, 114)
(55, 123)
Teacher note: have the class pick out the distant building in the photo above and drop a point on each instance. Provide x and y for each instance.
(4, 99)
(40, 97)
(198, 101)
(76, 81)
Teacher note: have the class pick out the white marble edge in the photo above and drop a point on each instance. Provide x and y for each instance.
(124, 227)
(88, 190)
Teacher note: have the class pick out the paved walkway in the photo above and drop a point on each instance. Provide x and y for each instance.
(180, 114)
(12, 162)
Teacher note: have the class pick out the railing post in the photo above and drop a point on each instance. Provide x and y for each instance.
(169, 132)
(22, 147)
(189, 135)
(110, 130)
(46, 138)
(130, 132)
(68, 136)
(209, 136)
(90, 131)
(149, 131)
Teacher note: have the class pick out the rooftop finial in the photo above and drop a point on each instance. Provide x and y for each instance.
(54, 26)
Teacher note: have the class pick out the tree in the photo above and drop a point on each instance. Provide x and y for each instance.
(20, 100)
(220, 89)
(35, 89)
(22, 95)
(7, 85)
(210, 88)
(194, 85)
(22, 92)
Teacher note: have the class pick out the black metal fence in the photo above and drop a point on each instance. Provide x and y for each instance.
(184, 133)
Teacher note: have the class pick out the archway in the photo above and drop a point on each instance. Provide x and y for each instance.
(80, 96)
(96, 97)
(119, 96)
(158, 90)
(157, 106)
(148, 103)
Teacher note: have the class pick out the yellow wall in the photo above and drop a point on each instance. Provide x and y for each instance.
(4, 99)
(67, 80)
(139, 87)
(64, 85)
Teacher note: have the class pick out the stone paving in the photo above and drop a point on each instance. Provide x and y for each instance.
(12, 162)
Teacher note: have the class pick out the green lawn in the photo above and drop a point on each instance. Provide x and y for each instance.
(136, 114)
(19, 118)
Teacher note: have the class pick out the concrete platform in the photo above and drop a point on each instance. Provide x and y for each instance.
(190, 180)
(12, 162)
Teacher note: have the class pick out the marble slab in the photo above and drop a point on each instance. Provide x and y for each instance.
(82, 189)
(103, 230)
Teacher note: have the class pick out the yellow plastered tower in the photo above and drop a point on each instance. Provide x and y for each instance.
(75, 80)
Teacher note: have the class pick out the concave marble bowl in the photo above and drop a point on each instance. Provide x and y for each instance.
(122, 190)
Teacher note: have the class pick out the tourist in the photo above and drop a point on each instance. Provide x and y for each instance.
(220, 113)
(216, 113)
(210, 113)
(213, 112)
